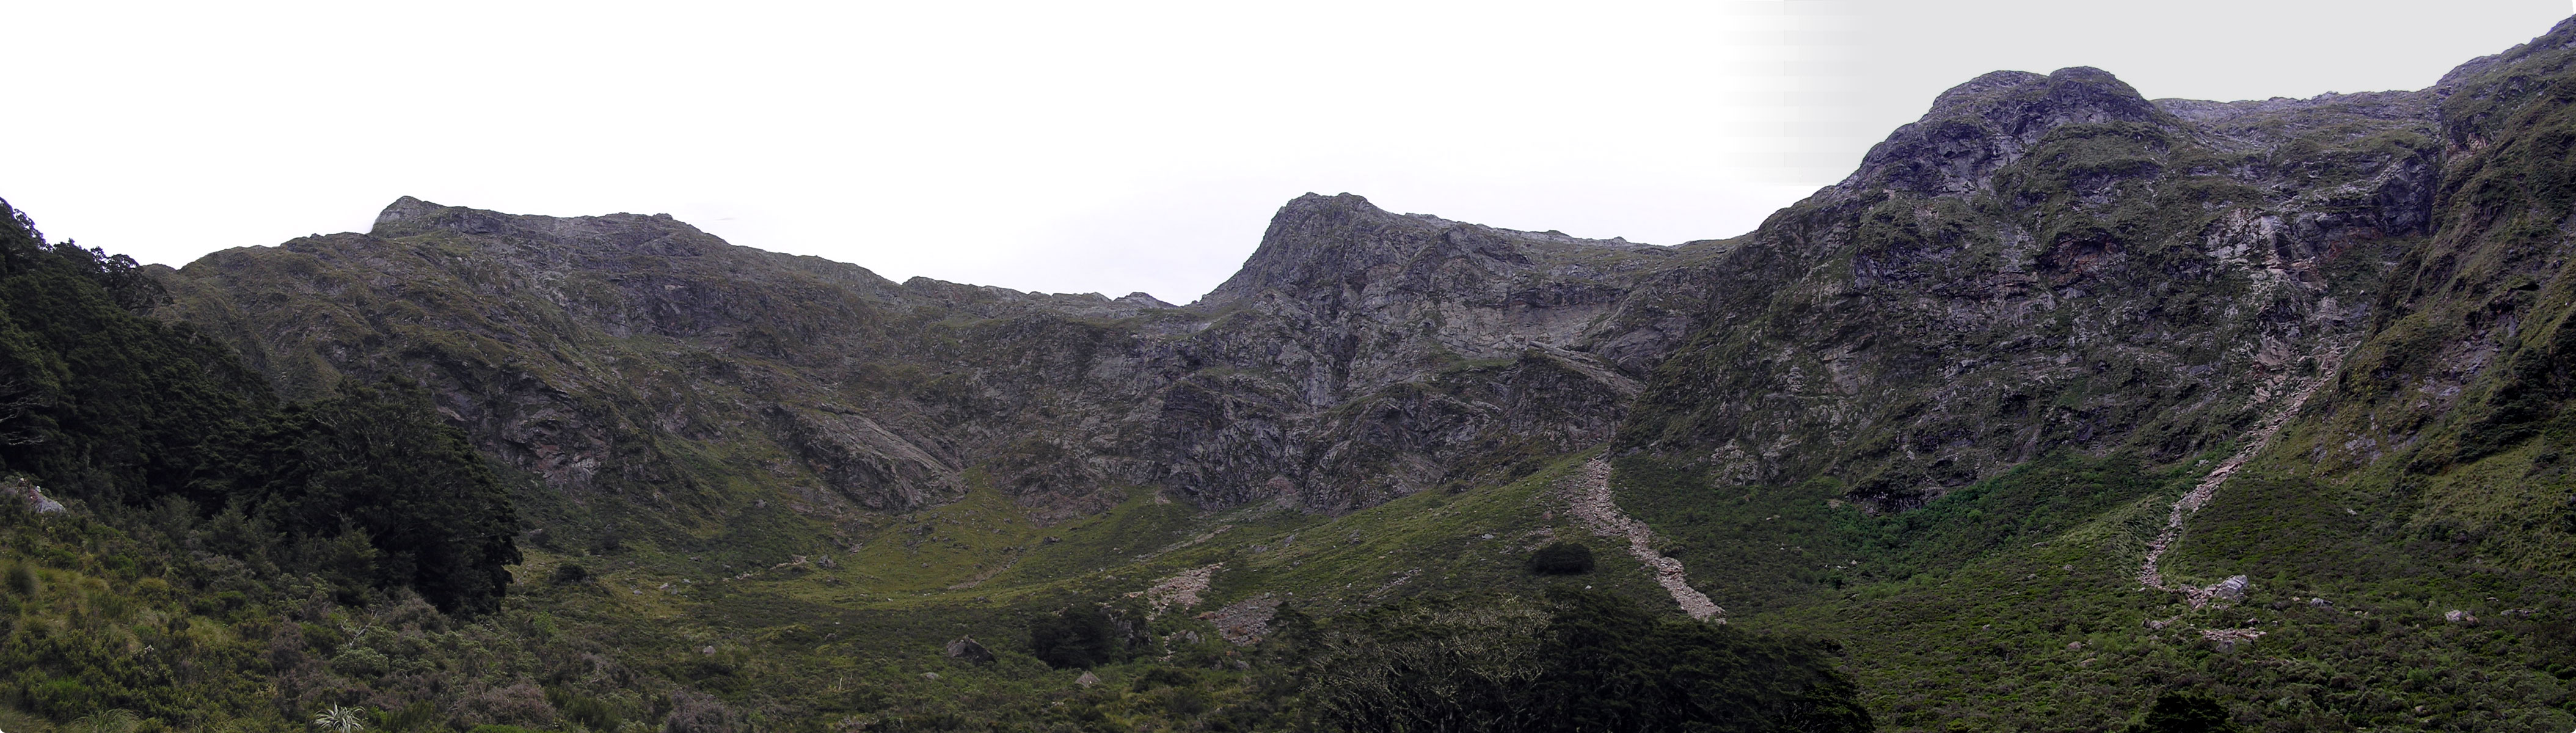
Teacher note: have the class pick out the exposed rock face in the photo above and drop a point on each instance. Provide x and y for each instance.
(1372, 355)
(1977, 129)
(2448, 421)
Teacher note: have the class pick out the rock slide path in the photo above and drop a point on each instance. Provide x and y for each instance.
(1589, 494)
(2148, 574)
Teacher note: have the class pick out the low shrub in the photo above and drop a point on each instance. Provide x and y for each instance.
(1076, 637)
(1562, 558)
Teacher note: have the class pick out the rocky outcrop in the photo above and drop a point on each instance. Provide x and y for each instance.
(34, 496)
(1979, 128)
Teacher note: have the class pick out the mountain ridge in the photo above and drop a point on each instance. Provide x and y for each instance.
(2298, 364)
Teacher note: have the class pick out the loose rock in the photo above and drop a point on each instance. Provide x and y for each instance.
(1589, 495)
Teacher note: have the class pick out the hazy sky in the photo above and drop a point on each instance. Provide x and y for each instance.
(1075, 147)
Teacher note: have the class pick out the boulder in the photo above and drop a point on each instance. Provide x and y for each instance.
(36, 499)
(968, 650)
(2232, 588)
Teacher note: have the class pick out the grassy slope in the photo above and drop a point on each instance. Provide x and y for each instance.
(1997, 632)
(815, 643)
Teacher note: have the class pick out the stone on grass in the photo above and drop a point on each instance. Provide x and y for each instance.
(968, 650)
(2232, 588)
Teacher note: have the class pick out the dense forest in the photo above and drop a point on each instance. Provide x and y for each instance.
(132, 416)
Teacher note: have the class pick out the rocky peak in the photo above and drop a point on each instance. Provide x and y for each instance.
(1991, 121)
(1316, 238)
(1343, 245)
(1143, 299)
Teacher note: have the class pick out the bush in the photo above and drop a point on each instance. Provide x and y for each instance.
(589, 712)
(1164, 677)
(1584, 661)
(1562, 558)
(1076, 637)
(22, 580)
(2183, 712)
(570, 574)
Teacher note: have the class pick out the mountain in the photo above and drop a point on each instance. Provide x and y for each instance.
(2068, 409)
(2046, 262)
(1359, 355)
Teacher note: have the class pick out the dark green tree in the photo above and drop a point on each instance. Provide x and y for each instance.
(106, 405)
(1081, 636)
(1582, 661)
(376, 462)
(2184, 712)
(1561, 558)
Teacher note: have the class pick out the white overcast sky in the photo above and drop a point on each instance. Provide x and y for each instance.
(1074, 147)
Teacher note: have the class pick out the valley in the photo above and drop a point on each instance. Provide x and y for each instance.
(2066, 405)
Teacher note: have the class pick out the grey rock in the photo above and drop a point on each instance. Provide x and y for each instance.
(34, 496)
(966, 649)
(2232, 588)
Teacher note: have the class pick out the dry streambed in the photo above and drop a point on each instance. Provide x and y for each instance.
(1589, 495)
